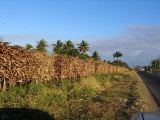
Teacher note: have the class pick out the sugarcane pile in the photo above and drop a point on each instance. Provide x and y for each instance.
(103, 67)
(69, 67)
(20, 66)
(45, 69)
(16, 64)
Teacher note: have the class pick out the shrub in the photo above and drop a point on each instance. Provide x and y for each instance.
(120, 63)
(84, 56)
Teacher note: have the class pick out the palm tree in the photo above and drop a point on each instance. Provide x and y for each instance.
(28, 46)
(58, 47)
(96, 55)
(41, 45)
(117, 55)
(83, 47)
(68, 47)
(73, 52)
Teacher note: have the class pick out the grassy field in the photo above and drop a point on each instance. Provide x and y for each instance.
(97, 97)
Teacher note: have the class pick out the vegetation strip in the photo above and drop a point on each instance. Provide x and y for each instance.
(108, 96)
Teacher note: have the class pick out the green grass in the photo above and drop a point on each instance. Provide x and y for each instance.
(90, 98)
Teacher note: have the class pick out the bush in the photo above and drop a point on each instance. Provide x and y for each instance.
(120, 63)
(84, 56)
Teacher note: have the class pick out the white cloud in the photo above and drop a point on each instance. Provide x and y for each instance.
(139, 44)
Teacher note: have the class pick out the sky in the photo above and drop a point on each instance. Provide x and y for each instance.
(129, 26)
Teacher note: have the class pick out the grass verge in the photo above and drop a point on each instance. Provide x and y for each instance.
(97, 97)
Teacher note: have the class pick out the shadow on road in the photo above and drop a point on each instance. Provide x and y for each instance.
(23, 114)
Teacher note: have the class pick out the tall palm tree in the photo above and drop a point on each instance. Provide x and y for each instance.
(117, 55)
(58, 47)
(68, 47)
(41, 45)
(96, 55)
(83, 47)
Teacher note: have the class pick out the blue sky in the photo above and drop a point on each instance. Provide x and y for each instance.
(97, 21)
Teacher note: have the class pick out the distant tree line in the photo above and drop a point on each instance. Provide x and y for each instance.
(66, 48)
(154, 66)
(81, 51)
